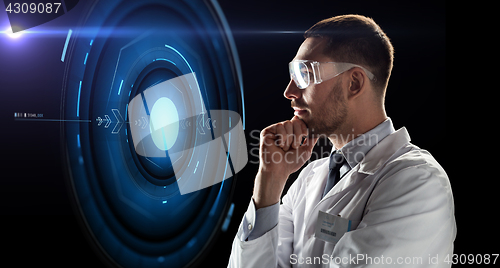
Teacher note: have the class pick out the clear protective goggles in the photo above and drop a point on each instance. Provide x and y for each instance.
(303, 72)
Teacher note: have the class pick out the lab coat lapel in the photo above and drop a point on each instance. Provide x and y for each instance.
(327, 204)
(314, 200)
(314, 189)
(314, 192)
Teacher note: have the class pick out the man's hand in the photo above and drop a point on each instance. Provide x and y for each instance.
(284, 148)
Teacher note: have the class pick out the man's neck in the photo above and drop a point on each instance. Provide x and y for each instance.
(352, 131)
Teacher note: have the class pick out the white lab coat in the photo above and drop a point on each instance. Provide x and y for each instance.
(398, 199)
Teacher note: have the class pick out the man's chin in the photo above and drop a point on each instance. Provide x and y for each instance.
(312, 131)
(316, 132)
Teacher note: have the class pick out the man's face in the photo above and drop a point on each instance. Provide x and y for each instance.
(323, 107)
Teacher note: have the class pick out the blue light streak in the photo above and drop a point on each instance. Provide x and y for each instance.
(66, 44)
(225, 225)
(78, 103)
(126, 113)
(196, 167)
(120, 89)
(182, 58)
(167, 60)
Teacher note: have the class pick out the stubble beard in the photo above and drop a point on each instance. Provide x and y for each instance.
(331, 117)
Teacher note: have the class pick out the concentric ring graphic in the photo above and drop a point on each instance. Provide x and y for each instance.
(154, 93)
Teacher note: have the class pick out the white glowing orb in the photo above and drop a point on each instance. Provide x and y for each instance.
(164, 123)
(12, 35)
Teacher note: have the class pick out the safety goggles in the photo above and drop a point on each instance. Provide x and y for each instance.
(303, 72)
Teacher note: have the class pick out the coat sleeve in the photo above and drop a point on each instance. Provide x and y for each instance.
(259, 252)
(274, 247)
(408, 221)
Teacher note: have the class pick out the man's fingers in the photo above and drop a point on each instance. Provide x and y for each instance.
(268, 135)
(300, 131)
(297, 133)
(281, 136)
(289, 135)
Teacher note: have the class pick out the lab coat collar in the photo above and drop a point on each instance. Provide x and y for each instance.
(381, 152)
(355, 150)
(378, 155)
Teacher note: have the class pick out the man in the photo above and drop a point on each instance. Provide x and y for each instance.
(377, 200)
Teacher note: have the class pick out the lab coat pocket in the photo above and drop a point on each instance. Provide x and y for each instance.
(319, 247)
(354, 225)
(331, 245)
(328, 246)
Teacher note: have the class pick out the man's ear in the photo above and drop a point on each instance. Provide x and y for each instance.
(357, 83)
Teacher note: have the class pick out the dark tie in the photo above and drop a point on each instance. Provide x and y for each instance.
(337, 160)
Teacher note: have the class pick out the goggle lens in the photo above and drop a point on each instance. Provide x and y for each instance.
(299, 73)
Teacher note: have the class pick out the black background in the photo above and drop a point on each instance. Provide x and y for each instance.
(37, 222)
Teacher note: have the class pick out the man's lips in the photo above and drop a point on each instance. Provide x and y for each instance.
(299, 111)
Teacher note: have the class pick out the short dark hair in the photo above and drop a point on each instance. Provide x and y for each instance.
(357, 39)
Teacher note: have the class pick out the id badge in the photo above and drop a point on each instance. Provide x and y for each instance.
(331, 228)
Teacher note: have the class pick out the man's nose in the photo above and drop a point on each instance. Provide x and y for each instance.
(292, 91)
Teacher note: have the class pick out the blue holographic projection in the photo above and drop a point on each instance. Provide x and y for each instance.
(152, 174)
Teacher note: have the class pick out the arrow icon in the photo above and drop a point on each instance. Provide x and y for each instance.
(199, 124)
(120, 120)
(108, 120)
(145, 122)
(210, 120)
(100, 120)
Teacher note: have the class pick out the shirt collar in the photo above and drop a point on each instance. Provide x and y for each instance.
(355, 150)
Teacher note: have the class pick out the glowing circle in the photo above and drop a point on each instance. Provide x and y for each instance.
(164, 123)
(11, 34)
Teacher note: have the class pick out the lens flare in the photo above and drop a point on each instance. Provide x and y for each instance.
(11, 34)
